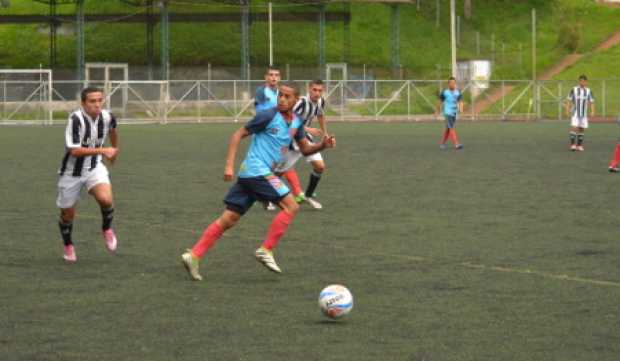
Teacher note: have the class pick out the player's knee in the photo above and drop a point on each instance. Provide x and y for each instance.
(319, 168)
(67, 214)
(292, 208)
(229, 219)
(105, 201)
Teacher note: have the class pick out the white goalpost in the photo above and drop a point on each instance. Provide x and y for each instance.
(26, 96)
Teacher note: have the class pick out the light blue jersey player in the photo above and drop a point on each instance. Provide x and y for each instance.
(272, 132)
(450, 104)
(267, 94)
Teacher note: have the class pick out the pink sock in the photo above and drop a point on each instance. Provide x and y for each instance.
(210, 235)
(293, 181)
(446, 134)
(277, 228)
(616, 160)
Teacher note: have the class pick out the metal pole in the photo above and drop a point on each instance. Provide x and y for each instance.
(453, 34)
(165, 40)
(322, 39)
(245, 38)
(477, 43)
(438, 11)
(80, 39)
(270, 35)
(150, 25)
(52, 34)
(533, 44)
(395, 37)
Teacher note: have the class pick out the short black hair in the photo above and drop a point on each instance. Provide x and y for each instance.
(272, 68)
(317, 82)
(583, 77)
(451, 78)
(290, 85)
(89, 90)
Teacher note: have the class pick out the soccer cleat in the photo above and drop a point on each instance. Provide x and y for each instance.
(314, 203)
(580, 148)
(69, 254)
(573, 147)
(442, 146)
(300, 198)
(265, 256)
(270, 206)
(110, 239)
(614, 169)
(458, 147)
(192, 265)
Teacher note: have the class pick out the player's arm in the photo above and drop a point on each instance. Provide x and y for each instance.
(591, 101)
(306, 148)
(74, 146)
(233, 146)
(113, 134)
(257, 124)
(568, 102)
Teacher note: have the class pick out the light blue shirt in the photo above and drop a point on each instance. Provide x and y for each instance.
(265, 98)
(450, 100)
(271, 140)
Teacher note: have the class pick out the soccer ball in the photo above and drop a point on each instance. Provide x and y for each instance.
(335, 301)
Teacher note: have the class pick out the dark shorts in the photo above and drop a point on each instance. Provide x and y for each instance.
(242, 195)
(450, 121)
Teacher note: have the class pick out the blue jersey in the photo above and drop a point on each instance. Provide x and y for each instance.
(272, 136)
(265, 98)
(450, 100)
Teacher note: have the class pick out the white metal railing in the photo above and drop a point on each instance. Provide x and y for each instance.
(232, 100)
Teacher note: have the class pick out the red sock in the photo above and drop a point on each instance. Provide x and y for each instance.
(277, 228)
(614, 162)
(209, 236)
(446, 134)
(455, 138)
(293, 180)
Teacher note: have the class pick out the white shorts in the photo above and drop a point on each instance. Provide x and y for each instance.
(292, 156)
(69, 187)
(577, 122)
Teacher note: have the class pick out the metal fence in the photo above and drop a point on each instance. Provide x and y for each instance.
(28, 102)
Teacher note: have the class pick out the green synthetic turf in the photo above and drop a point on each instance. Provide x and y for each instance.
(507, 250)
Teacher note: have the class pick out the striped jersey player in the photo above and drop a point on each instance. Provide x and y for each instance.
(308, 108)
(579, 103)
(82, 167)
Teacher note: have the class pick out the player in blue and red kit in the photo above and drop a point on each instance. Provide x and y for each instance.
(450, 104)
(272, 132)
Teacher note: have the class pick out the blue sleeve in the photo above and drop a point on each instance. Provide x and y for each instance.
(260, 98)
(301, 133)
(442, 96)
(260, 121)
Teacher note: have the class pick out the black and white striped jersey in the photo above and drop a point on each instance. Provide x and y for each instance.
(83, 131)
(308, 110)
(581, 99)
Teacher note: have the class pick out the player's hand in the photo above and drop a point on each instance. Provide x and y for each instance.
(110, 153)
(329, 141)
(228, 174)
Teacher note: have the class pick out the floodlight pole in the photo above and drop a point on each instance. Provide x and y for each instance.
(245, 38)
(453, 35)
(165, 40)
(534, 44)
(322, 39)
(80, 39)
(270, 35)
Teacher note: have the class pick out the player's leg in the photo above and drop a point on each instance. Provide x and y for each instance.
(293, 180)
(573, 133)
(581, 134)
(68, 195)
(238, 201)
(453, 136)
(98, 184)
(271, 188)
(318, 168)
(615, 161)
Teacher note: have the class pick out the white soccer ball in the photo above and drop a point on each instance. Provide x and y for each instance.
(335, 301)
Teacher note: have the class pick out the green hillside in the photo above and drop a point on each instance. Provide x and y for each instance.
(504, 27)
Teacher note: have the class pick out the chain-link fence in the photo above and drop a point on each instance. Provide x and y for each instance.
(353, 100)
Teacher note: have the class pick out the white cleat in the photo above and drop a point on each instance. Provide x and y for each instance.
(192, 265)
(270, 206)
(110, 239)
(314, 203)
(265, 256)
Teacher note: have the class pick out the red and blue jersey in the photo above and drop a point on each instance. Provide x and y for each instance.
(265, 98)
(272, 137)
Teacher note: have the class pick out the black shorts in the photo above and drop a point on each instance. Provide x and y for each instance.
(242, 195)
